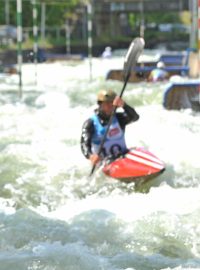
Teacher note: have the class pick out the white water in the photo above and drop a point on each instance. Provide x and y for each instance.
(54, 217)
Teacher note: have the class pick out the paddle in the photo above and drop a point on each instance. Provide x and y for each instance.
(131, 58)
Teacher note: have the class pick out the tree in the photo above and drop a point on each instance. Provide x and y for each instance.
(57, 11)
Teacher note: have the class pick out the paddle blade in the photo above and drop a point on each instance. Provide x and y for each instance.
(131, 58)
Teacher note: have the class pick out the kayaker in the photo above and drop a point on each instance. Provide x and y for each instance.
(94, 127)
(159, 73)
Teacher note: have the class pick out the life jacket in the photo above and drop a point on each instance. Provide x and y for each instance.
(115, 141)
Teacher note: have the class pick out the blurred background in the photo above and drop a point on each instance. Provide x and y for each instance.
(62, 26)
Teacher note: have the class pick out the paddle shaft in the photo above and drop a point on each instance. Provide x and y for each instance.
(109, 123)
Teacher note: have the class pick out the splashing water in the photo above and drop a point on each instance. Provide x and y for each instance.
(53, 216)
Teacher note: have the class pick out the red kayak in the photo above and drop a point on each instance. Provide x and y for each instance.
(137, 163)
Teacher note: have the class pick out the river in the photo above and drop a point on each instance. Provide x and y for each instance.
(53, 216)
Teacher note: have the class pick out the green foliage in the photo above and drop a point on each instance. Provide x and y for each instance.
(132, 20)
(60, 11)
(12, 11)
(55, 11)
(163, 17)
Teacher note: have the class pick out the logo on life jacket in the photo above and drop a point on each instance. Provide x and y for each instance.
(113, 132)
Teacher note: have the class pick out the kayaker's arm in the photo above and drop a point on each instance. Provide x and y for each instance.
(86, 137)
(128, 116)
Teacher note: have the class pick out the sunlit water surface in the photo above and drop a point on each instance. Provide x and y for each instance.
(53, 216)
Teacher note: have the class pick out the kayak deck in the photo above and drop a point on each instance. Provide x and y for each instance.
(137, 163)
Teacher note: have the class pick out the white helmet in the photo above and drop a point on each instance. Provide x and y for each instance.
(108, 49)
(160, 64)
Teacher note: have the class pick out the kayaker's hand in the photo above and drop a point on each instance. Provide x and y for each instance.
(94, 158)
(118, 102)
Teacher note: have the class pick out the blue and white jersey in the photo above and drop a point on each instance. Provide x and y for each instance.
(114, 142)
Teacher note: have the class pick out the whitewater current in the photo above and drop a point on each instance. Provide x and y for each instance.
(53, 216)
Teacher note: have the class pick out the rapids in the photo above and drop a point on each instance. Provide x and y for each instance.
(54, 217)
